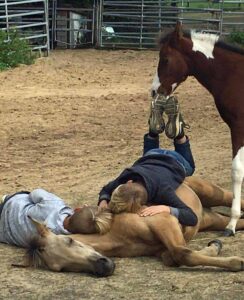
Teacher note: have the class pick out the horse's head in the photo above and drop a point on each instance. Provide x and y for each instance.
(172, 67)
(63, 253)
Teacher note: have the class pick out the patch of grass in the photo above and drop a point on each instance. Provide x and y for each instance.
(237, 37)
(14, 51)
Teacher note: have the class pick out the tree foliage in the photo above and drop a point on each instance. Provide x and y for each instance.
(14, 51)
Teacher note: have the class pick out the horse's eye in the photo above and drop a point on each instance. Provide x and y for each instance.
(165, 60)
(41, 249)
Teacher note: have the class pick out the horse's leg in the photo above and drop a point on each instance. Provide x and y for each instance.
(190, 258)
(215, 221)
(213, 249)
(168, 231)
(237, 179)
(209, 193)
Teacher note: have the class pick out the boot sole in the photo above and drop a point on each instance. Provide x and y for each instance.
(172, 128)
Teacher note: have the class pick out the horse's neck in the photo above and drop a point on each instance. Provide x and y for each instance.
(206, 69)
(88, 239)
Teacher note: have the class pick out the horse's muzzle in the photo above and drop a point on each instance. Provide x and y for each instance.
(104, 267)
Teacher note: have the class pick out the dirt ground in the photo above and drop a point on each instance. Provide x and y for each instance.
(73, 121)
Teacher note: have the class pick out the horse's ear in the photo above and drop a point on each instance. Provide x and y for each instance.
(41, 228)
(178, 32)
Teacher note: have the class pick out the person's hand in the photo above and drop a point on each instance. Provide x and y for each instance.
(153, 210)
(103, 204)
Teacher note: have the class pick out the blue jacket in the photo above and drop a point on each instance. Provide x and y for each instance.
(161, 175)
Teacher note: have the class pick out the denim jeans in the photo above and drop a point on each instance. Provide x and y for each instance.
(182, 153)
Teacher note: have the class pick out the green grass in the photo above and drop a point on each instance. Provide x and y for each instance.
(237, 37)
(211, 4)
(14, 51)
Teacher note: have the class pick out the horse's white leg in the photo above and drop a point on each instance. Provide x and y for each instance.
(237, 178)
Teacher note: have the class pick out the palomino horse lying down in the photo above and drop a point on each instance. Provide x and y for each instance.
(128, 234)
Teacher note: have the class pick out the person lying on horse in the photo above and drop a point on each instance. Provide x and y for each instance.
(17, 210)
(159, 172)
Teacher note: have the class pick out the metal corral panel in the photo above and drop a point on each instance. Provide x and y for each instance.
(30, 18)
(137, 23)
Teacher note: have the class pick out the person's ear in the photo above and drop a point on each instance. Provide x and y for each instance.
(77, 209)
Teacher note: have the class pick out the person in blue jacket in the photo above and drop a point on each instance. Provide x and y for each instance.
(159, 172)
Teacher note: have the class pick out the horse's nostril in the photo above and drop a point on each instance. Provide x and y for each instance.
(153, 93)
(104, 267)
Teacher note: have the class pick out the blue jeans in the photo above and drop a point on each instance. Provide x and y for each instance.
(182, 152)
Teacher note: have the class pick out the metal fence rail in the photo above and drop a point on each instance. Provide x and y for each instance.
(31, 21)
(115, 23)
(71, 27)
(136, 23)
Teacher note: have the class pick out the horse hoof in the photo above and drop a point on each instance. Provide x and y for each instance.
(228, 232)
(218, 243)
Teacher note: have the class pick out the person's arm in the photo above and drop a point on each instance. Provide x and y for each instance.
(185, 214)
(45, 203)
(172, 204)
(107, 190)
(41, 196)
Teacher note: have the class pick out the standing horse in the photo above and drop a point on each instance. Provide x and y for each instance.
(219, 67)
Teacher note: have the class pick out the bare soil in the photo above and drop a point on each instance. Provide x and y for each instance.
(73, 121)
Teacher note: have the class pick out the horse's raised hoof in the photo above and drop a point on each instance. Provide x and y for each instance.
(228, 232)
(218, 243)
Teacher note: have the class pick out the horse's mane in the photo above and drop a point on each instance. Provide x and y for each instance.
(32, 256)
(221, 43)
(230, 47)
(166, 35)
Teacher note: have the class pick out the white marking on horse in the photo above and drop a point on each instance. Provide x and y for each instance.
(174, 86)
(156, 83)
(237, 178)
(204, 42)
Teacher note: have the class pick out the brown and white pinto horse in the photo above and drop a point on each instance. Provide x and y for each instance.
(219, 67)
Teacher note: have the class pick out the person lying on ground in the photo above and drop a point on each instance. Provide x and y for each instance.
(16, 227)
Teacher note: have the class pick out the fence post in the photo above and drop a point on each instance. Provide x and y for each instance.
(159, 14)
(221, 18)
(6, 12)
(46, 14)
(141, 29)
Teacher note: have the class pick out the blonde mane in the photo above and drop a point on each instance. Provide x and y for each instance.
(32, 256)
